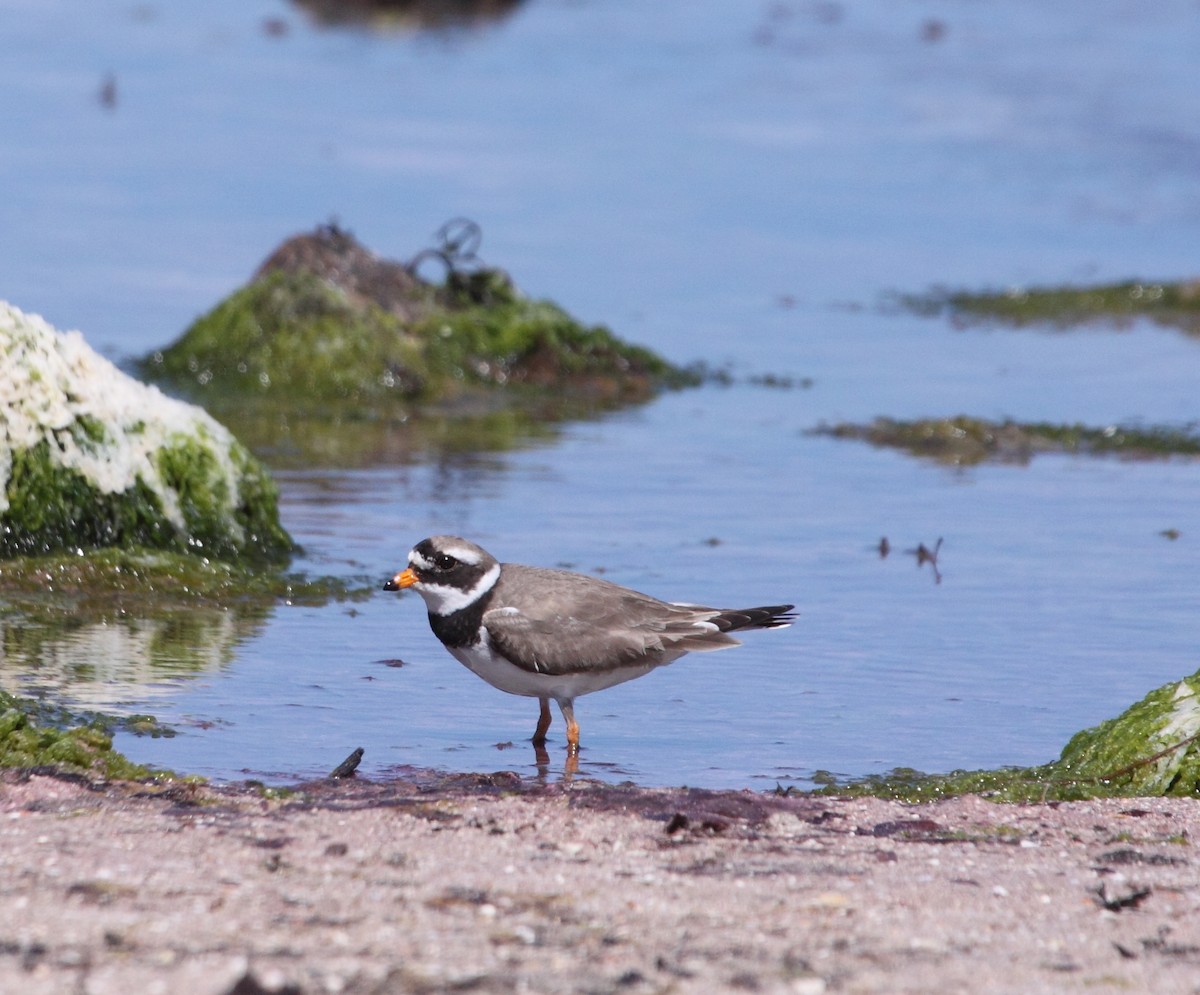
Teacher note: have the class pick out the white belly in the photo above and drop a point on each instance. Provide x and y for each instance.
(481, 660)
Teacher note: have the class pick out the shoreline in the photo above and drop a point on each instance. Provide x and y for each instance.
(488, 883)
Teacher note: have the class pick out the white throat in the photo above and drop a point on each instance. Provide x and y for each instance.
(443, 600)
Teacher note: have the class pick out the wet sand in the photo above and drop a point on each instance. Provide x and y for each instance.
(487, 884)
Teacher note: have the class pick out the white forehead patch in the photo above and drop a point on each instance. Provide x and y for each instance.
(442, 599)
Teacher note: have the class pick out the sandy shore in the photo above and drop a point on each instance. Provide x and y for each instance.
(485, 884)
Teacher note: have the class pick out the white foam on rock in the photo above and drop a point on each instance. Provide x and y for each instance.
(50, 379)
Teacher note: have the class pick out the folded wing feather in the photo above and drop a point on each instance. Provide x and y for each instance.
(559, 645)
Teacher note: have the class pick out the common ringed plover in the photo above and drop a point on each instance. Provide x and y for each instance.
(556, 634)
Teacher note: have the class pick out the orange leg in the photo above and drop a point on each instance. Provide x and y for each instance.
(567, 707)
(544, 720)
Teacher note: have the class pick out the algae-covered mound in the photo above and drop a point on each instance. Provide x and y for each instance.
(1152, 748)
(1173, 304)
(326, 324)
(964, 440)
(90, 457)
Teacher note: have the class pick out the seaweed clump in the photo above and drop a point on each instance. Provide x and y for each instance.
(1173, 304)
(964, 440)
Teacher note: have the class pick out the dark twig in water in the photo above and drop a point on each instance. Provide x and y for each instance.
(348, 766)
(926, 555)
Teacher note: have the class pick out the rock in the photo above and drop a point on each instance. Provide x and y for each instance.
(340, 261)
(90, 457)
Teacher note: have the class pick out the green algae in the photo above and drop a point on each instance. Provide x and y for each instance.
(1172, 304)
(218, 524)
(514, 341)
(964, 440)
(32, 736)
(1151, 749)
(295, 336)
(51, 715)
(52, 507)
(1016, 784)
(110, 577)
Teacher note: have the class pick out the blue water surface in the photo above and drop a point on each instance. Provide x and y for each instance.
(741, 183)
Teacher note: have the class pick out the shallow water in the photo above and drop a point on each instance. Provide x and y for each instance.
(741, 187)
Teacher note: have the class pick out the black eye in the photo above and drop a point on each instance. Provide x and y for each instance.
(444, 561)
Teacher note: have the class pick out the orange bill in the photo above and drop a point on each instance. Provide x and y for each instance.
(405, 578)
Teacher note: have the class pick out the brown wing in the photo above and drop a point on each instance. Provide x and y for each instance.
(554, 622)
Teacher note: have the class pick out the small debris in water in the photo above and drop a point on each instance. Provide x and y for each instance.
(107, 94)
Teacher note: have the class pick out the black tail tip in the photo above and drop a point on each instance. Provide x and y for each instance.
(766, 617)
(781, 615)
